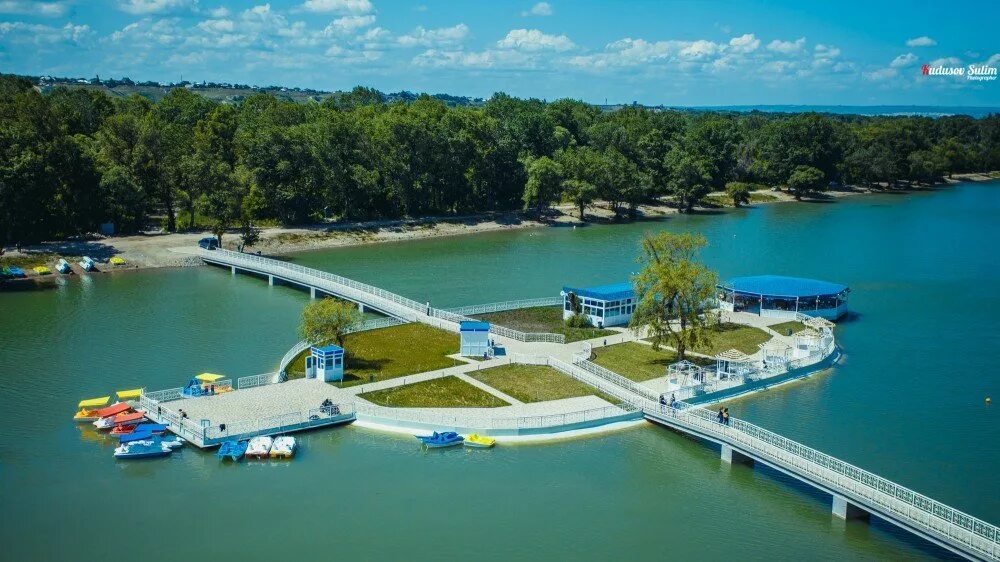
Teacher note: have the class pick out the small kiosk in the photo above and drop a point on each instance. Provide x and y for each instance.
(475, 338)
(326, 363)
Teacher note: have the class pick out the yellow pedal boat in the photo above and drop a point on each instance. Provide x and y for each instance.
(88, 408)
(479, 441)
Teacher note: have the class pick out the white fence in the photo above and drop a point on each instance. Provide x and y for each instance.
(615, 378)
(257, 380)
(506, 305)
(442, 419)
(502, 331)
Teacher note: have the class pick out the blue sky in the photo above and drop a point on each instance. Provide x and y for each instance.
(676, 53)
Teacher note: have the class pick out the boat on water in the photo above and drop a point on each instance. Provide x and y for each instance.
(233, 450)
(283, 447)
(206, 384)
(88, 264)
(41, 270)
(437, 440)
(154, 428)
(63, 266)
(88, 408)
(125, 418)
(123, 429)
(173, 441)
(109, 413)
(141, 446)
(259, 447)
(477, 441)
(131, 394)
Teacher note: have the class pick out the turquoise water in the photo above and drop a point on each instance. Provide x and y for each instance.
(907, 402)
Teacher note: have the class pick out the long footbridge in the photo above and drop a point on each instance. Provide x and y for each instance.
(855, 492)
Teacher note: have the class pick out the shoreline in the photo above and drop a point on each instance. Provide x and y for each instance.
(154, 251)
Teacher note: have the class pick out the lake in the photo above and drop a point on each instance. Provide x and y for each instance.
(906, 402)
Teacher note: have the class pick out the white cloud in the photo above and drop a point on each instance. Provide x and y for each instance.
(947, 61)
(21, 32)
(699, 50)
(349, 24)
(490, 58)
(881, 74)
(922, 41)
(435, 37)
(217, 26)
(219, 12)
(534, 40)
(539, 9)
(903, 61)
(746, 43)
(338, 6)
(31, 8)
(153, 6)
(993, 60)
(786, 47)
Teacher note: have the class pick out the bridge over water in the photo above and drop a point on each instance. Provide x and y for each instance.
(855, 492)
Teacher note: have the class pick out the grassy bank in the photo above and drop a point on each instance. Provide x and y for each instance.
(785, 327)
(535, 383)
(541, 319)
(733, 336)
(387, 353)
(447, 392)
(637, 361)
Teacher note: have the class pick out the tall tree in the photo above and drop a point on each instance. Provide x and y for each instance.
(327, 320)
(544, 182)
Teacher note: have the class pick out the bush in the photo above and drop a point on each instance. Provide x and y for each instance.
(578, 321)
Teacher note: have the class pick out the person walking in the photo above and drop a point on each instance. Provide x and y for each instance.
(725, 415)
(663, 402)
(720, 416)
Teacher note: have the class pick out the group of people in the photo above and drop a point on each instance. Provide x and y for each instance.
(723, 415)
(663, 401)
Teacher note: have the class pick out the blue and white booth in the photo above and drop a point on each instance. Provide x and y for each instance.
(475, 338)
(777, 296)
(605, 305)
(326, 363)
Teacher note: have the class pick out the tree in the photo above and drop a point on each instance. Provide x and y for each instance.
(690, 178)
(327, 320)
(544, 180)
(672, 289)
(739, 192)
(580, 192)
(249, 234)
(805, 180)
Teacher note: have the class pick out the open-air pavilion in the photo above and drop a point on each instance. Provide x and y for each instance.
(733, 363)
(777, 296)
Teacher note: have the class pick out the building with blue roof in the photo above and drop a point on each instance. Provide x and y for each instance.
(778, 296)
(604, 305)
(474, 338)
(326, 363)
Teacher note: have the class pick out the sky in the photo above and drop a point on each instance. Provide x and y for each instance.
(689, 53)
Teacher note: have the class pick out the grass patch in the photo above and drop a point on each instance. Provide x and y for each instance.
(542, 319)
(733, 336)
(447, 392)
(639, 362)
(391, 352)
(784, 327)
(535, 383)
(756, 197)
(28, 261)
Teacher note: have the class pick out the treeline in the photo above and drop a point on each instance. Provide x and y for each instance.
(74, 158)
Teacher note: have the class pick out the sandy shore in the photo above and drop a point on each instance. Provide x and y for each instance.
(153, 249)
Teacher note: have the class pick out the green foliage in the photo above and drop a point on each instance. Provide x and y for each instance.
(739, 192)
(326, 320)
(805, 180)
(71, 159)
(671, 289)
(578, 321)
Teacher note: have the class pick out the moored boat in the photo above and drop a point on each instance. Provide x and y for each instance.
(479, 441)
(233, 450)
(141, 446)
(104, 416)
(123, 429)
(173, 441)
(259, 447)
(88, 408)
(87, 264)
(437, 440)
(283, 447)
(131, 394)
(125, 418)
(154, 428)
(63, 266)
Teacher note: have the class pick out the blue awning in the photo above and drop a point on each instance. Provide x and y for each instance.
(135, 436)
(781, 286)
(473, 326)
(613, 292)
(328, 349)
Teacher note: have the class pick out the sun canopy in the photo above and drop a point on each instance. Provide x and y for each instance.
(208, 377)
(129, 417)
(129, 394)
(135, 436)
(153, 427)
(113, 410)
(93, 402)
(781, 286)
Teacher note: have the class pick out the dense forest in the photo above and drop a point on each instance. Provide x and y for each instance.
(72, 159)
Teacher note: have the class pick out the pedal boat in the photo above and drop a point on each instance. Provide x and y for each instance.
(259, 447)
(479, 441)
(438, 440)
(88, 409)
(283, 447)
(141, 446)
(233, 450)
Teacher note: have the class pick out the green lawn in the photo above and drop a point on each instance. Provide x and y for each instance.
(784, 327)
(391, 352)
(447, 392)
(639, 362)
(542, 319)
(28, 261)
(733, 336)
(535, 383)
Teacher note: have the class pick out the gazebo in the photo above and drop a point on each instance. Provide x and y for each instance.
(733, 363)
(683, 372)
(776, 354)
(777, 296)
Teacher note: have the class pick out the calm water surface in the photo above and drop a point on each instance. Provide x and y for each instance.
(907, 402)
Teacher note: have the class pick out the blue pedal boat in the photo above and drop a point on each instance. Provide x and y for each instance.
(142, 445)
(233, 450)
(444, 439)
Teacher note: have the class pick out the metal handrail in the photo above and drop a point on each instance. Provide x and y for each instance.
(472, 421)
(615, 378)
(506, 305)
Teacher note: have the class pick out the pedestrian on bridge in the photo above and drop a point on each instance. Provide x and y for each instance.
(725, 416)
(721, 416)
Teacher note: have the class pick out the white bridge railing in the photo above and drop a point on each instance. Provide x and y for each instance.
(441, 419)
(502, 331)
(506, 305)
(860, 486)
(615, 378)
(257, 380)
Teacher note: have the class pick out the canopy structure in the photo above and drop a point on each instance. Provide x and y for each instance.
(784, 297)
(685, 371)
(135, 436)
(129, 394)
(733, 363)
(113, 409)
(94, 402)
(208, 377)
(473, 326)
